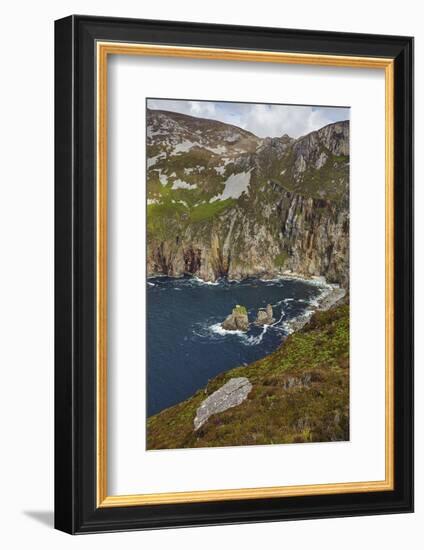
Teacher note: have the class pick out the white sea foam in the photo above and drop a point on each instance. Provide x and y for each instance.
(279, 320)
(202, 282)
(217, 329)
(245, 338)
(313, 303)
(255, 340)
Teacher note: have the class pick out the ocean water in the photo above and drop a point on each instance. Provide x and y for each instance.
(186, 345)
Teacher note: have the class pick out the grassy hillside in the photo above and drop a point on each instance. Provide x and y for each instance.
(300, 394)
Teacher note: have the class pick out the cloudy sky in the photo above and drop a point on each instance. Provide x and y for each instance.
(261, 119)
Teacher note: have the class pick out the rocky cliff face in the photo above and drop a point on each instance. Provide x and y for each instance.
(223, 202)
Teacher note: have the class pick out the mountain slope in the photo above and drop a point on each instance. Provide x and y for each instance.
(300, 393)
(223, 202)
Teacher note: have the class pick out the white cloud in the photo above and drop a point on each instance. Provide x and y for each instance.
(261, 119)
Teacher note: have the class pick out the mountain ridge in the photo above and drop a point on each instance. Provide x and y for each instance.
(224, 203)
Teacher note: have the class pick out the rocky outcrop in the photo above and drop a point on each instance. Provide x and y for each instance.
(225, 203)
(231, 394)
(237, 320)
(316, 237)
(331, 297)
(297, 382)
(265, 316)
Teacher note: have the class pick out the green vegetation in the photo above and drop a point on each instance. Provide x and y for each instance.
(324, 182)
(194, 167)
(241, 310)
(300, 394)
(169, 218)
(280, 259)
(164, 219)
(189, 163)
(207, 211)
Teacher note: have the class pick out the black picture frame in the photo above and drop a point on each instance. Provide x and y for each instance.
(76, 508)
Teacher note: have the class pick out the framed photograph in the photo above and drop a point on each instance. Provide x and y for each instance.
(234, 274)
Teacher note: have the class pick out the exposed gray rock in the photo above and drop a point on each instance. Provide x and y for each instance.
(299, 322)
(333, 296)
(295, 382)
(229, 395)
(331, 299)
(293, 215)
(265, 316)
(237, 320)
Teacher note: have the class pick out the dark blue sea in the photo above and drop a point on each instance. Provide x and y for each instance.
(186, 345)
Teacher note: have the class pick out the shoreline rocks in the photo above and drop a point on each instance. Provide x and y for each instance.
(326, 301)
(331, 299)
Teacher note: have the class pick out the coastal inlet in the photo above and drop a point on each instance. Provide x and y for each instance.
(186, 343)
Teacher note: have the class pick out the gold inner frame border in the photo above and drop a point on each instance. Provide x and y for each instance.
(103, 50)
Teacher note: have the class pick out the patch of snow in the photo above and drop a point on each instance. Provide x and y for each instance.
(163, 178)
(235, 185)
(153, 160)
(178, 184)
(217, 150)
(151, 133)
(232, 138)
(183, 147)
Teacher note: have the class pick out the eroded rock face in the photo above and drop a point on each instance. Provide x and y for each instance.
(237, 320)
(225, 203)
(231, 394)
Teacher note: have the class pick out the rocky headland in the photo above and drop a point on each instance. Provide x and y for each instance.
(224, 203)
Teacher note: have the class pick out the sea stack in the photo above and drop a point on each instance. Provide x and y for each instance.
(265, 316)
(237, 320)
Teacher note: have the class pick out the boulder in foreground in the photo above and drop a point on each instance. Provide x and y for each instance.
(229, 395)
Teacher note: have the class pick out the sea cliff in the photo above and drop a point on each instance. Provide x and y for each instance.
(225, 203)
